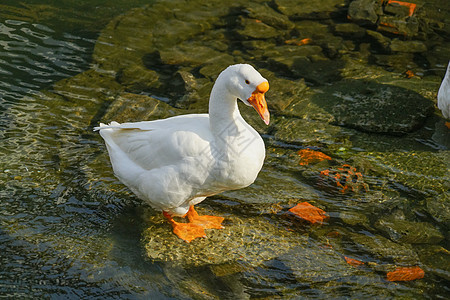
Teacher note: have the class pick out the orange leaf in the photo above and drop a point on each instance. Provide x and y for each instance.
(411, 6)
(309, 212)
(353, 262)
(410, 74)
(308, 156)
(406, 274)
(298, 42)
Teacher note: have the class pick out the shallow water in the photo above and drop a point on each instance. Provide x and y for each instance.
(68, 228)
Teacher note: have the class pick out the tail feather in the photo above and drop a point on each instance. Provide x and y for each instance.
(113, 124)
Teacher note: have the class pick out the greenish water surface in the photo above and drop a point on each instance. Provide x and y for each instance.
(69, 229)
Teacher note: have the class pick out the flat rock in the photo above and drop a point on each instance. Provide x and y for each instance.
(364, 12)
(309, 9)
(188, 54)
(128, 107)
(350, 30)
(407, 46)
(436, 260)
(267, 15)
(425, 171)
(307, 132)
(374, 107)
(404, 231)
(439, 207)
(383, 249)
(256, 29)
(249, 239)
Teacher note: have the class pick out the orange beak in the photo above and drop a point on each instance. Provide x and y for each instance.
(258, 101)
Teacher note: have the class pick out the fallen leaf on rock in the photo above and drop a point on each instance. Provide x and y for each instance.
(309, 212)
(406, 274)
(411, 6)
(346, 178)
(353, 262)
(310, 156)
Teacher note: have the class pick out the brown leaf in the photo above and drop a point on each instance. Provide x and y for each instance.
(353, 262)
(406, 274)
(309, 212)
(309, 156)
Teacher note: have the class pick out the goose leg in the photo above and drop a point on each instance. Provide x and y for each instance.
(185, 231)
(206, 222)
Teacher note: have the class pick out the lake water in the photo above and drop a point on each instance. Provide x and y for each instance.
(69, 229)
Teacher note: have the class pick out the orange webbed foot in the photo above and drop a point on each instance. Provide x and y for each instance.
(186, 231)
(206, 222)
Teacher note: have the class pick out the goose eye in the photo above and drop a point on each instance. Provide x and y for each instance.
(247, 82)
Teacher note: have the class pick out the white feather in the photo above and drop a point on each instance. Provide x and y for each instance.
(444, 94)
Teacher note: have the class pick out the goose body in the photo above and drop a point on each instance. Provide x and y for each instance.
(177, 162)
(444, 95)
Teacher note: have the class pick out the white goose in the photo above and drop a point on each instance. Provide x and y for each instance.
(177, 162)
(444, 96)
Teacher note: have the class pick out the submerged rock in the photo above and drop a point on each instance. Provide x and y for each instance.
(256, 29)
(404, 231)
(269, 16)
(311, 262)
(374, 107)
(436, 260)
(250, 239)
(128, 107)
(439, 208)
(385, 250)
(407, 46)
(426, 172)
(364, 12)
(307, 132)
(309, 9)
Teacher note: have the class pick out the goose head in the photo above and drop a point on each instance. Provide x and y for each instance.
(247, 85)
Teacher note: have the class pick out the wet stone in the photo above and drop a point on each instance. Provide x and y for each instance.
(439, 207)
(396, 9)
(379, 39)
(407, 46)
(398, 62)
(128, 107)
(354, 218)
(220, 62)
(424, 171)
(250, 239)
(383, 249)
(256, 29)
(375, 107)
(267, 15)
(311, 262)
(137, 78)
(188, 54)
(364, 12)
(436, 260)
(350, 30)
(305, 9)
(404, 26)
(311, 29)
(404, 231)
(275, 185)
(306, 132)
